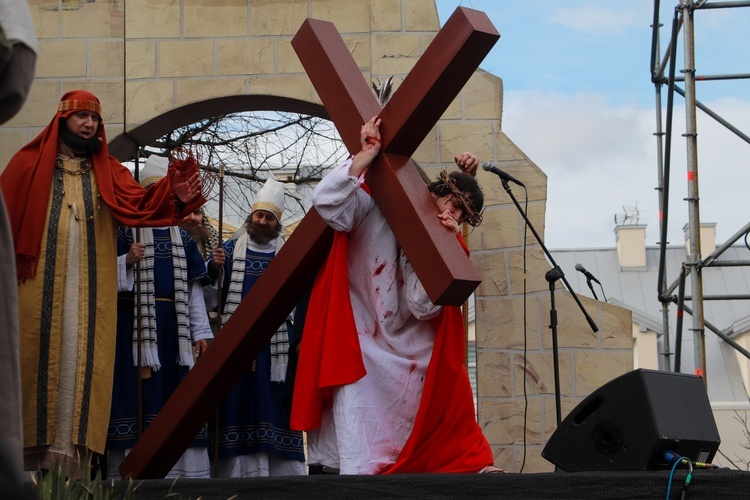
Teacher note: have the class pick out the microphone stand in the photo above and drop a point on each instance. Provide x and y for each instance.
(552, 276)
(591, 287)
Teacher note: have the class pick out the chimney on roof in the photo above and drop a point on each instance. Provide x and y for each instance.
(707, 237)
(631, 246)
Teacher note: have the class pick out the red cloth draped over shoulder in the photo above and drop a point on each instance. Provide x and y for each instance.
(27, 180)
(330, 355)
(445, 436)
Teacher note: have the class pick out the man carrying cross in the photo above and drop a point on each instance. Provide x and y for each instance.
(371, 399)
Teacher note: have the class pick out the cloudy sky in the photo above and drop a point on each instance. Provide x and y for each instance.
(580, 103)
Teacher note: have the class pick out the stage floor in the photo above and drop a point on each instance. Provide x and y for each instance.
(711, 484)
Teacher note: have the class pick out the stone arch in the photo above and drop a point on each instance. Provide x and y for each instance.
(124, 145)
(154, 64)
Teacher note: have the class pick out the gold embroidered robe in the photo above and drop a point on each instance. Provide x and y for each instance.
(68, 326)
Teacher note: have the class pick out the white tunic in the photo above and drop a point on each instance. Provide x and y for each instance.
(372, 418)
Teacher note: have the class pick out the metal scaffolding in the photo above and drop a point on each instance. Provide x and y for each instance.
(683, 20)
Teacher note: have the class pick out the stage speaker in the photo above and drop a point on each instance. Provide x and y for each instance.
(629, 422)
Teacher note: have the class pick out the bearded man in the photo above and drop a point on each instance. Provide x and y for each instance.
(206, 237)
(201, 231)
(65, 196)
(254, 438)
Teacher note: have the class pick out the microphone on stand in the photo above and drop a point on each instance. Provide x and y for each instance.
(589, 278)
(489, 167)
(588, 275)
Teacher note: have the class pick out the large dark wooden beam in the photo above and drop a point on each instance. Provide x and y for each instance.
(440, 262)
(436, 79)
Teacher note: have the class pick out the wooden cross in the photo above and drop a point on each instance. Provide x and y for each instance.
(441, 265)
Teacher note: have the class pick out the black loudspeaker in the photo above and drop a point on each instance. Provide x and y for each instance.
(630, 422)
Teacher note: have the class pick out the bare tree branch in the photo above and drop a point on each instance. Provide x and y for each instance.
(253, 146)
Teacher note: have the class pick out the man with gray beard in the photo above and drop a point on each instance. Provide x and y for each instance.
(254, 438)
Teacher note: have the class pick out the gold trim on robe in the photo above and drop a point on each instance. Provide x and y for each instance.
(67, 366)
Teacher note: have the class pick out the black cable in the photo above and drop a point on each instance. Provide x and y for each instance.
(525, 333)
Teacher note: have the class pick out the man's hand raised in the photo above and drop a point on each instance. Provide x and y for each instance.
(467, 162)
(188, 189)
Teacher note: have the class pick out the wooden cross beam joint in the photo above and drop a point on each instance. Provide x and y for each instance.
(415, 107)
(398, 189)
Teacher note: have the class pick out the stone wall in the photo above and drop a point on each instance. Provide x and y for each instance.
(146, 58)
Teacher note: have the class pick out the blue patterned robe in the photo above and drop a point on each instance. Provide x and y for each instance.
(123, 426)
(251, 418)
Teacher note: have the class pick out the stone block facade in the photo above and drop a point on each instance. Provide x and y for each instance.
(144, 58)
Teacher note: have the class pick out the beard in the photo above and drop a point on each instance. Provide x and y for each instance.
(76, 142)
(262, 234)
(199, 233)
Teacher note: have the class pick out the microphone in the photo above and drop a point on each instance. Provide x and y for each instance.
(489, 167)
(588, 275)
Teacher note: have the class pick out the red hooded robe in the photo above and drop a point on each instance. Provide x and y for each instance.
(67, 304)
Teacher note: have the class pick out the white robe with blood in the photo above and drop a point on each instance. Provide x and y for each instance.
(372, 418)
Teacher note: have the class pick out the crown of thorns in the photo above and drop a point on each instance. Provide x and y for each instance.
(473, 218)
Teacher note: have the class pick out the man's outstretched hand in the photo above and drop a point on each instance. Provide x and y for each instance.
(188, 189)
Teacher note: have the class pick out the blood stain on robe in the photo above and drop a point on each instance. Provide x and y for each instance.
(380, 268)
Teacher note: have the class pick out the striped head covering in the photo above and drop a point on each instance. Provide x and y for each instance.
(79, 102)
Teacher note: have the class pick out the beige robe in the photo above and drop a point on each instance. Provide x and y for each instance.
(68, 328)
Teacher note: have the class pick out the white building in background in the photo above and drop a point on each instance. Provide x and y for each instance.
(628, 275)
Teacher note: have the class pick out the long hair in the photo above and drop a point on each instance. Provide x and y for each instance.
(467, 191)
